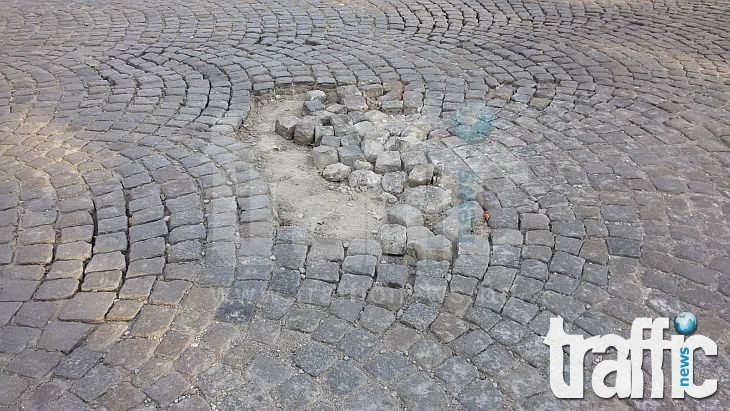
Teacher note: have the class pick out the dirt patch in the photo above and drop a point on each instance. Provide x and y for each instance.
(300, 195)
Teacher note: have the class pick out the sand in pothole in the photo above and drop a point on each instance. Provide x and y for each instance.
(300, 195)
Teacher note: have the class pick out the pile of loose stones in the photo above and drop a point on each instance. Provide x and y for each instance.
(385, 151)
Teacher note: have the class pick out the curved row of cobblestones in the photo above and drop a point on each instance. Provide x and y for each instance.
(135, 231)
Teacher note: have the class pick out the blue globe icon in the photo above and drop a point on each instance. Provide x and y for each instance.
(685, 323)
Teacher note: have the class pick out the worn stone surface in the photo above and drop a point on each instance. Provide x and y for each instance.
(336, 172)
(392, 239)
(429, 199)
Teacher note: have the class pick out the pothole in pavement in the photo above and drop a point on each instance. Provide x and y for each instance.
(345, 171)
(300, 195)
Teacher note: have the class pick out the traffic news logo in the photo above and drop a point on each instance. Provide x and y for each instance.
(628, 363)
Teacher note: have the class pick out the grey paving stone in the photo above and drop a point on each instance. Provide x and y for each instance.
(483, 317)
(494, 360)
(106, 262)
(500, 278)
(456, 373)
(63, 336)
(152, 321)
(194, 360)
(624, 247)
(315, 292)
(505, 255)
(323, 270)
(364, 247)
(137, 288)
(540, 237)
(471, 343)
(344, 378)
(130, 353)
(457, 304)
(285, 282)
(18, 290)
(34, 254)
(88, 307)
(392, 275)
(534, 351)
(65, 269)
(273, 306)
(331, 331)
(388, 298)
(568, 245)
(354, 285)
(96, 382)
(303, 319)
(429, 353)
(523, 381)
(34, 363)
(291, 235)
(56, 289)
(390, 367)
(471, 265)
(12, 387)
(519, 310)
(169, 292)
(568, 264)
(358, 344)
(376, 319)
(534, 269)
(507, 236)
(167, 389)
(236, 312)
(569, 229)
(360, 265)
(491, 299)
(508, 332)
(326, 249)
(30, 313)
(405, 215)
(431, 268)
(392, 239)
(537, 252)
(102, 281)
(314, 358)
(557, 303)
(125, 395)
(298, 392)
(435, 248)
(419, 316)
(23, 272)
(77, 250)
(448, 327)
(254, 268)
(290, 256)
(480, 395)
(418, 391)
(463, 285)
(268, 372)
(430, 290)
(249, 396)
(474, 245)
(561, 283)
(345, 308)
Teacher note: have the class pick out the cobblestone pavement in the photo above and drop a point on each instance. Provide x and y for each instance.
(135, 231)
